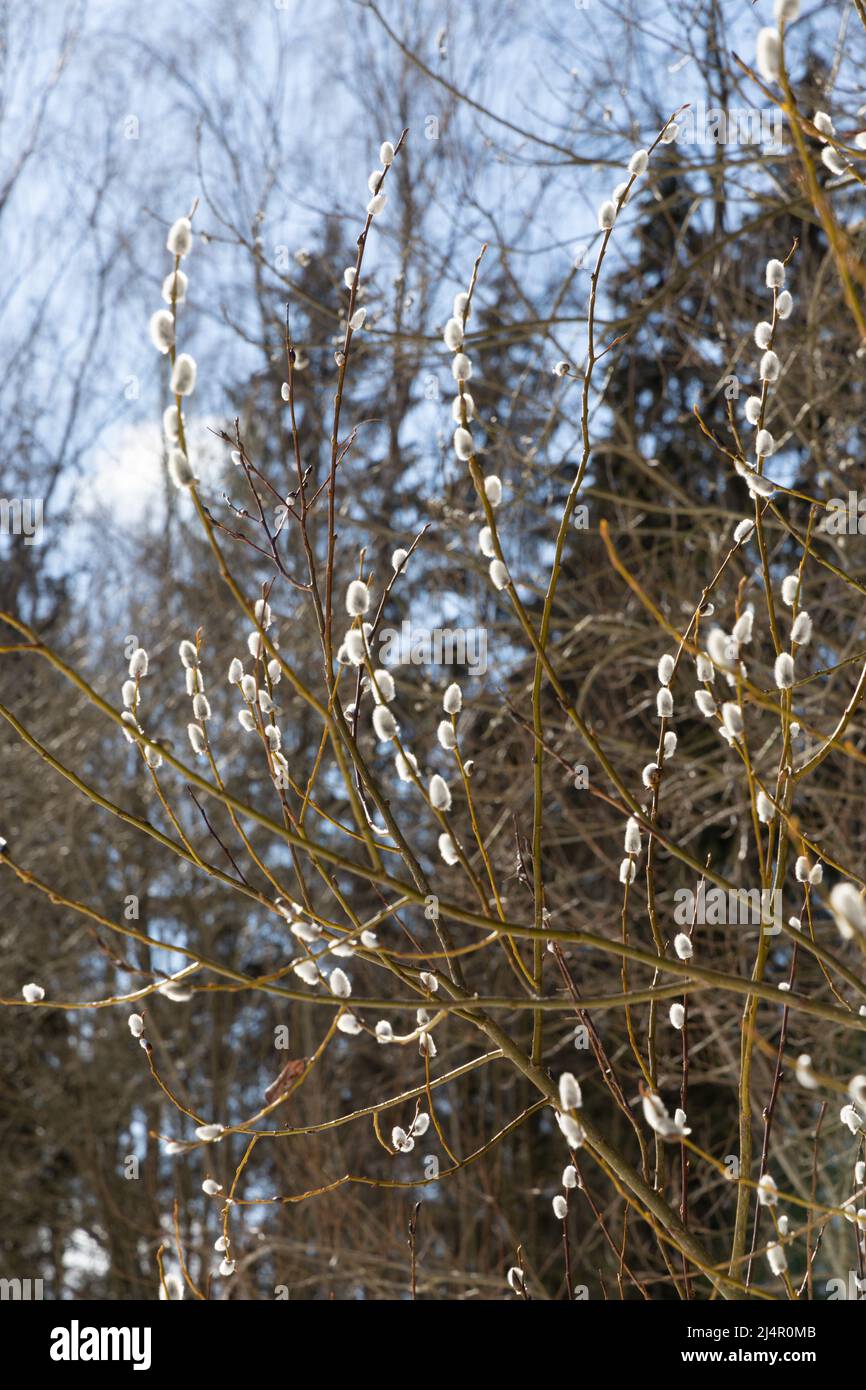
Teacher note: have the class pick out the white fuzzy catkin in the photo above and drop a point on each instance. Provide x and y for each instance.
(197, 739)
(850, 1116)
(786, 10)
(306, 970)
(784, 305)
(638, 162)
(498, 574)
(184, 374)
(765, 808)
(560, 1207)
(763, 334)
(32, 993)
(742, 629)
(440, 795)
(339, 984)
(485, 542)
(753, 409)
(200, 704)
(398, 560)
(722, 648)
(129, 692)
(463, 403)
(461, 367)
(704, 668)
(743, 530)
(493, 490)
(209, 1133)
(138, 663)
(174, 287)
(683, 946)
(760, 487)
(849, 911)
(572, 1132)
(783, 671)
(768, 1192)
(765, 444)
(452, 700)
(210, 1187)
(670, 743)
(768, 54)
(386, 153)
(655, 1112)
(665, 669)
(857, 1089)
(790, 584)
(732, 718)
(161, 330)
(463, 444)
(677, 1016)
(384, 723)
(180, 469)
(446, 735)
(135, 1023)
(377, 204)
(776, 1258)
(664, 703)
(649, 774)
(627, 871)
(770, 367)
(775, 275)
(453, 335)
(405, 765)
(632, 836)
(357, 598)
(606, 215)
(357, 320)
(705, 703)
(170, 423)
(804, 1074)
(570, 1095)
(448, 849)
(833, 160)
(179, 239)
(801, 632)
(384, 689)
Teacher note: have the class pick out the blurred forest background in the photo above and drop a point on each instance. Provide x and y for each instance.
(113, 119)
